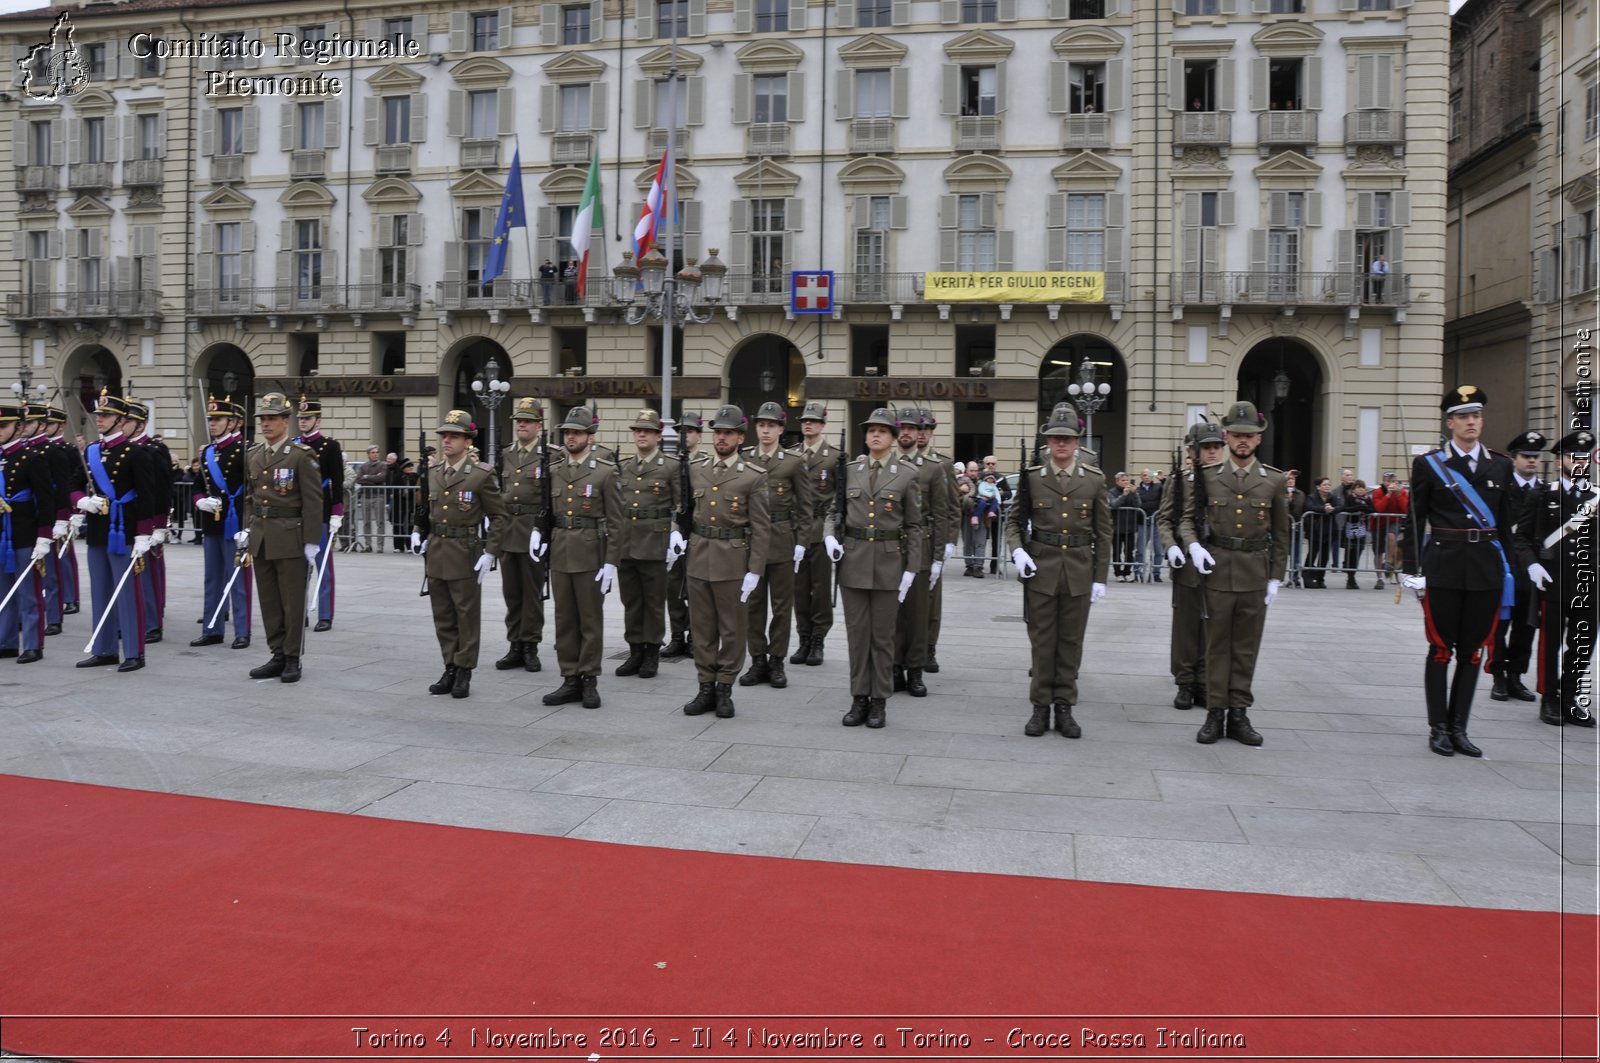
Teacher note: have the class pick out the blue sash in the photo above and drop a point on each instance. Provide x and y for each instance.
(117, 542)
(230, 521)
(326, 482)
(8, 557)
(1479, 511)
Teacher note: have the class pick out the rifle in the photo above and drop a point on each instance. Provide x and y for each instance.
(1200, 528)
(839, 502)
(423, 520)
(685, 518)
(545, 520)
(1175, 483)
(1023, 497)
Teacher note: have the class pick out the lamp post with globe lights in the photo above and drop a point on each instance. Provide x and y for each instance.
(1088, 396)
(491, 391)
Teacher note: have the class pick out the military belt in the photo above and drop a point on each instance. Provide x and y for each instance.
(577, 522)
(650, 512)
(712, 531)
(873, 534)
(446, 532)
(519, 509)
(1050, 538)
(778, 515)
(1465, 535)
(1248, 546)
(276, 511)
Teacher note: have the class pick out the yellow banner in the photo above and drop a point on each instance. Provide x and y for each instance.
(1014, 287)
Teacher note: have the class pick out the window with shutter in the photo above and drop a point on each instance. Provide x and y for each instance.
(767, 230)
(976, 11)
(976, 249)
(672, 18)
(575, 24)
(874, 13)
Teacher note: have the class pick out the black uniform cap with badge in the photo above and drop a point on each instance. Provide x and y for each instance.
(1529, 444)
(224, 407)
(1580, 445)
(114, 405)
(1464, 398)
(310, 407)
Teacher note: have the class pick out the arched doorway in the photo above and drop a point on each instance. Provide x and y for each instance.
(227, 372)
(1284, 380)
(87, 372)
(472, 359)
(768, 368)
(1066, 364)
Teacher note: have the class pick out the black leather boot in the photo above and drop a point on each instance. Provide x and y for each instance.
(446, 682)
(703, 702)
(1499, 691)
(530, 657)
(914, 684)
(569, 691)
(801, 652)
(651, 663)
(931, 665)
(876, 714)
(1184, 699)
(857, 714)
(775, 673)
(1066, 726)
(634, 662)
(1550, 711)
(1434, 689)
(463, 684)
(590, 686)
(814, 658)
(1462, 687)
(1239, 728)
(1198, 691)
(1211, 730)
(1038, 723)
(291, 670)
(1516, 689)
(675, 648)
(898, 682)
(513, 659)
(724, 701)
(271, 670)
(759, 671)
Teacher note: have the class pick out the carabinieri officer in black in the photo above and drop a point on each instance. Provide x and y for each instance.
(1463, 495)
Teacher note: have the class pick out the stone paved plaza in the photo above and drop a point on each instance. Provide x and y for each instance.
(1344, 800)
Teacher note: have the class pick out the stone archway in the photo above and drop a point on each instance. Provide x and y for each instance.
(767, 368)
(86, 372)
(226, 371)
(1284, 379)
(1106, 428)
(464, 364)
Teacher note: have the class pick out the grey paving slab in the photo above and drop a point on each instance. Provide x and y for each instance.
(1076, 815)
(632, 749)
(895, 739)
(1574, 778)
(1386, 832)
(1217, 788)
(719, 830)
(1483, 800)
(635, 782)
(1303, 872)
(444, 734)
(1161, 748)
(1574, 843)
(297, 750)
(867, 800)
(468, 768)
(940, 847)
(325, 791)
(1077, 779)
(801, 763)
(1547, 885)
(135, 769)
(520, 811)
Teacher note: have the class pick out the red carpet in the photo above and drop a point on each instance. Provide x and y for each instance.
(119, 904)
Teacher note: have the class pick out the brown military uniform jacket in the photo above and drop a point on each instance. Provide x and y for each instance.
(934, 490)
(881, 529)
(458, 502)
(788, 501)
(1169, 520)
(586, 529)
(1247, 525)
(820, 469)
(524, 501)
(1070, 540)
(952, 494)
(727, 502)
(283, 500)
(651, 494)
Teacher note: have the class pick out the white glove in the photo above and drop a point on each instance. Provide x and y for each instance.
(906, 580)
(605, 577)
(1202, 558)
(242, 538)
(949, 552)
(934, 573)
(799, 556)
(141, 545)
(482, 567)
(748, 587)
(312, 550)
(159, 536)
(1175, 557)
(92, 504)
(536, 545)
(60, 530)
(76, 523)
(675, 547)
(1024, 563)
(335, 522)
(41, 549)
(1096, 592)
(1537, 573)
(208, 504)
(416, 542)
(834, 547)
(1272, 589)
(1417, 585)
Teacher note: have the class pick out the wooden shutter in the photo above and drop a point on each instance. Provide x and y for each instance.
(1311, 83)
(1116, 85)
(797, 96)
(900, 12)
(1259, 82)
(844, 14)
(644, 104)
(597, 20)
(597, 106)
(460, 31)
(744, 16)
(794, 214)
(1399, 208)
(1364, 211)
(738, 241)
(549, 24)
(697, 18)
(949, 11)
(1313, 209)
(286, 126)
(1225, 84)
(1056, 95)
(506, 111)
(899, 92)
(546, 219)
(252, 129)
(1005, 254)
(844, 92)
(644, 19)
(547, 108)
(1175, 100)
(1224, 208)
(696, 84)
(743, 91)
(332, 123)
(367, 265)
(419, 117)
(950, 89)
(503, 28)
(371, 122)
(1277, 210)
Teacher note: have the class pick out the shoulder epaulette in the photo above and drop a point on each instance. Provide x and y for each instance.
(485, 466)
(1268, 468)
(1092, 468)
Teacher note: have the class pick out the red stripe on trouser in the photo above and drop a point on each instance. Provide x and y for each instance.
(1477, 653)
(1441, 652)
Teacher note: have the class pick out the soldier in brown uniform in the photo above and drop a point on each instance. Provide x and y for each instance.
(682, 644)
(943, 552)
(585, 544)
(1060, 542)
(521, 559)
(789, 508)
(283, 530)
(876, 545)
(1237, 528)
(461, 494)
(813, 580)
(650, 498)
(1188, 588)
(933, 486)
(727, 553)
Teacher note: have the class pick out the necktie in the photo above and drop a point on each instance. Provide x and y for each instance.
(872, 477)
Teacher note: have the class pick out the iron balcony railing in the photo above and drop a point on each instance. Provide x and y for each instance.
(872, 136)
(1340, 290)
(977, 133)
(87, 176)
(1286, 127)
(1194, 129)
(142, 173)
(571, 148)
(471, 295)
(392, 158)
(1086, 131)
(38, 178)
(1374, 127)
(230, 301)
(41, 306)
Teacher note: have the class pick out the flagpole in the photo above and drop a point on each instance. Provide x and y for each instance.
(527, 239)
(669, 283)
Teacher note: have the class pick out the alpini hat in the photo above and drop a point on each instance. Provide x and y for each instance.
(579, 419)
(647, 419)
(815, 411)
(112, 404)
(691, 422)
(731, 418)
(459, 422)
(274, 404)
(527, 409)
(1244, 417)
(771, 411)
(1464, 398)
(884, 417)
(1207, 432)
(1064, 422)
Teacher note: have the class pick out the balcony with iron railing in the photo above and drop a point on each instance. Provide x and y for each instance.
(977, 133)
(571, 148)
(1334, 291)
(305, 165)
(142, 173)
(1382, 128)
(496, 295)
(38, 178)
(228, 301)
(392, 159)
(89, 176)
(655, 142)
(70, 306)
(1202, 129)
(480, 154)
(871, 136)
(1286, 129)
(767, 139)
(1082, 132)
(227, 168)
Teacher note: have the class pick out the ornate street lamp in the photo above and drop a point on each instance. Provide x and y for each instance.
(491, 391)
(1088, 396)
(23, 388)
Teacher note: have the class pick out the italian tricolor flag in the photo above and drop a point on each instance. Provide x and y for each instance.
(590, 217)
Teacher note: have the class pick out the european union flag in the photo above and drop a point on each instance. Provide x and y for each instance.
(513, 215)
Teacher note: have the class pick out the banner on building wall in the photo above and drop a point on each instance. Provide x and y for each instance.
(1014, 287)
